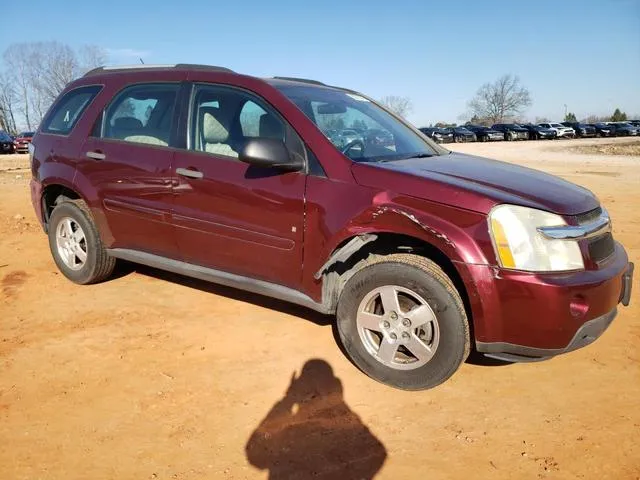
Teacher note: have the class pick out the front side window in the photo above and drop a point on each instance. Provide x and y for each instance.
(142, 114)
(223, 119)
(359, 128)
(67, 111)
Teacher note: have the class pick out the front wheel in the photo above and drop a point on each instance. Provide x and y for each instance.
(75, 244)
(403, 323)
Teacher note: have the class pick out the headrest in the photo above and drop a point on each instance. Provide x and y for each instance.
(212, 130)
(271, 127)
(127, 123)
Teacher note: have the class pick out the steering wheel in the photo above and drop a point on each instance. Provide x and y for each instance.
(352, 144)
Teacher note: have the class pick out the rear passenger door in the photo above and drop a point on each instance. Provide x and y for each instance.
(128, 160)
(229, 215)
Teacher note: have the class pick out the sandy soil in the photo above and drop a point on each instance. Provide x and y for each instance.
(153, 376)
(631, 147)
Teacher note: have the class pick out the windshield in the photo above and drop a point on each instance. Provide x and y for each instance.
(4, 137)
(379, 135)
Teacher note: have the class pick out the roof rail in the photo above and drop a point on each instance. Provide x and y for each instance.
(303, 80)
(133, 68)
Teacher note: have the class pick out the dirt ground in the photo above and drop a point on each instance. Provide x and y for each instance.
(154, 376)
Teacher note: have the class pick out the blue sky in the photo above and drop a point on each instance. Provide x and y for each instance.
(584, 54)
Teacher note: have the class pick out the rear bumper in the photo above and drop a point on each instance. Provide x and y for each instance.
(543, 315)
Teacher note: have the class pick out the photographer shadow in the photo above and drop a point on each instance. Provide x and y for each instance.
(312, 433)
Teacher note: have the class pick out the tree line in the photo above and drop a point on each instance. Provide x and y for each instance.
(33, 74)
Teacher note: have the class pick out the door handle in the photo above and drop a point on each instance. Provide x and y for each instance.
(185, 172)
(96, 155)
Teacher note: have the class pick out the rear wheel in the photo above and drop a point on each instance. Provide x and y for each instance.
(75, 244)
(403, 323)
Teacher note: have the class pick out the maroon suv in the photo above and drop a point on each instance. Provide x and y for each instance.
(421, 253)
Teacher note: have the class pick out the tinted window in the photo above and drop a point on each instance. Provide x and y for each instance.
(223, 118)
(384, 137)
(67, 111)
(142, 114)
(4, 137)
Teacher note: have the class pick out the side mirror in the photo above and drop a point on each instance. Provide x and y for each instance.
(269, 153)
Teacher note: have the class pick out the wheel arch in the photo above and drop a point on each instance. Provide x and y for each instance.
(335, 274)
(52, 194)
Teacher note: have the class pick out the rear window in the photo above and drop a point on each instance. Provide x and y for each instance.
(68, 110)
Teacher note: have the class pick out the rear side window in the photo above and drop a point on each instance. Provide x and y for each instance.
(68, 110)
(142, 114)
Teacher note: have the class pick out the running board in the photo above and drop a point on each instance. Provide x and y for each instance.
(222, 278)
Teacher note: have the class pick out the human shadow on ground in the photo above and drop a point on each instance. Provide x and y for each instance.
(312, 433)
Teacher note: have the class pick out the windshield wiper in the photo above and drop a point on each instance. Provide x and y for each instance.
(408, 157)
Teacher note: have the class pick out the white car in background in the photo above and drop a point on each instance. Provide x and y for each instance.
(561, 130)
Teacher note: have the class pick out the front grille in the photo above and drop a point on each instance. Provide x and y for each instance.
(588, 217)
(601, 248)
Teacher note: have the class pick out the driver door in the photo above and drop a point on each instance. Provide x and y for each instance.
(228, 215)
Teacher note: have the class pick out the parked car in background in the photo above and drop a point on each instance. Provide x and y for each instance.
(376, 136)
(582, 129)
(536, 132)
(603, 129)
(22, 141)
(562, 131)
(462, 135)
(635, 123)
(349, 136)
(485, 134)
(512, 131)
(6, 143)
(440, 135)
(624, 129)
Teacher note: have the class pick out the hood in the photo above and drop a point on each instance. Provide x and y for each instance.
(476, 183)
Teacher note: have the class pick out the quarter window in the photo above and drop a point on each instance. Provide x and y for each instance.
(68, 110)
(142, 114)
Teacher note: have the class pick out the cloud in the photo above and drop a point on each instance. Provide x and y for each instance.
(126, 53)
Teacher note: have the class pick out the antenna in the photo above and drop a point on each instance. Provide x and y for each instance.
(141, 61)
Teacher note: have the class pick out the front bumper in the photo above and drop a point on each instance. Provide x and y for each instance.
(543, 315)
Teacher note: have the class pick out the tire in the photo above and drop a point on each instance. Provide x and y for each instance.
(75, 216)
(419, 283)
(510, 137)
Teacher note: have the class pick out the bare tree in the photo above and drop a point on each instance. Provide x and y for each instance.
(14, 58)
(401, 106)
(89, 57)
(8, 100)
(504, 98)
(38, 72)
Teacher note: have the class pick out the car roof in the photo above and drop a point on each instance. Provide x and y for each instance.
(185, 68)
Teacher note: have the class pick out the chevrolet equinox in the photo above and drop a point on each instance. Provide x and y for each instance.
(421, 253)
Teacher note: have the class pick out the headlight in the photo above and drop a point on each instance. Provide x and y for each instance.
(519, 245)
